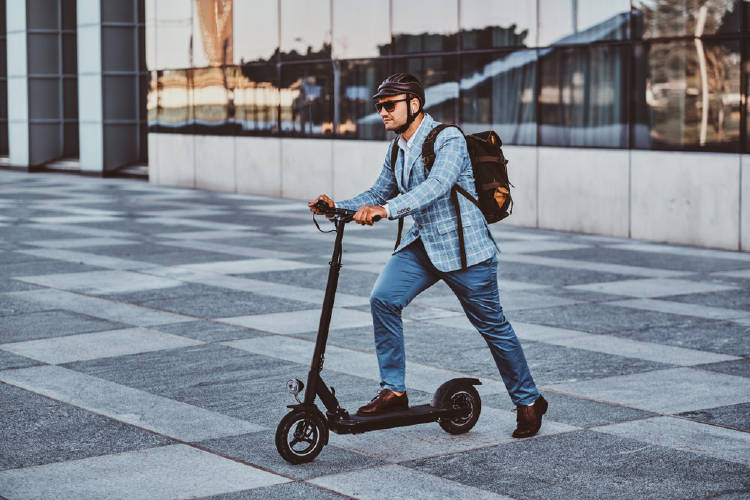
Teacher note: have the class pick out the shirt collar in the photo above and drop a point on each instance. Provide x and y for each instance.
(406, 145)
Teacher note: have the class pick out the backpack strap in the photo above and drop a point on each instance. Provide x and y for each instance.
(428, 147)
(394, 159)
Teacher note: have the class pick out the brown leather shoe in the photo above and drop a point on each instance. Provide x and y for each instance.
(385, 401)
(529, 418)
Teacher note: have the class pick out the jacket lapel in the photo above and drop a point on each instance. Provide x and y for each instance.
(416, 153)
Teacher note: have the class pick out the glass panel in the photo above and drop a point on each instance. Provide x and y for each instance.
(211, 96)
(152, 99)
(70, 98)
(487, 24)
(306, 99)
(660, 18)
(687, 95)
(305, 30)
(582, 21)
(174, 31)
(70, 54)
(256, 98)
(172, 106)
(360, 28)
(69, 14)
(439, 76)
(358, 82)
(497, 92)
(256, 30)
(583, 100)
(212, 33)
(424, 25)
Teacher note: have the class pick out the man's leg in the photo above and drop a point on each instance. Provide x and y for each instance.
(406, 274)
(476, 289)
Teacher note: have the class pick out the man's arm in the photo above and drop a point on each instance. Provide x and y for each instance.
(450, 154)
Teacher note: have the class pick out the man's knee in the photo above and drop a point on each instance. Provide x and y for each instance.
(384, 302)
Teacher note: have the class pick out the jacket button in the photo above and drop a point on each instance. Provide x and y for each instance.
(419, 226)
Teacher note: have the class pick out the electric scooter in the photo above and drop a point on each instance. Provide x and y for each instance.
(303, 432)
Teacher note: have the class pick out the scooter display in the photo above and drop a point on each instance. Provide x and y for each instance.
(303, 432)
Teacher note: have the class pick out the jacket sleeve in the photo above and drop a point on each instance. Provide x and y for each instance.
(381, 191)
(450, 154)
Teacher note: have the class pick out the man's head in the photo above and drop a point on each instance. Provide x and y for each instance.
(399, 100)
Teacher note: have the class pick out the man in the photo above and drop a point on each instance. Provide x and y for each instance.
(430, 251)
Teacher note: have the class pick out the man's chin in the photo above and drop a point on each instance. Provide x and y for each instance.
(390, 126)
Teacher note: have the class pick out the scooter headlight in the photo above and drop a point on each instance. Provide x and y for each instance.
(294, 386)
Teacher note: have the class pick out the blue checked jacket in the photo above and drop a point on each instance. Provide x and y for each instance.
(428, 200)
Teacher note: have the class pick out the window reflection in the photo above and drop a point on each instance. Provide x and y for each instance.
(212, 33)
(497, 92)
(583, 98)
(359, 81)
(256, 98)
(687, 96)
(306, 99)
(439, 76)
(582, 21)
(256, 30)
(172, 106)
(213, 96)
(662, 18)
(305, 30)
(360, 28)
(424, 26)
(487, 24)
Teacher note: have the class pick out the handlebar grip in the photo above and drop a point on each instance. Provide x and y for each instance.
(376, 218)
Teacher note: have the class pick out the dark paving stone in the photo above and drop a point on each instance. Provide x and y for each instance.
(7, 258)
(350, 281)
(54, 323)
(185, 290)
(22, 233)
(657, 260)
(587, 464)
(575, 411)
(723, 337)
(553, 276)
(11, 305)
(37, 430)
(42, 267)
(162, 254)
(739, 367)
(224, 305)
(596, 318)
(9, 360)
(226, 380)
(10, 285)
(728, 299)
(285, 491)
(735, 416)
(259, 448)
(209, 331)
(319, 250)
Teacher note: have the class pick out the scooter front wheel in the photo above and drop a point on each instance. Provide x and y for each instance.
(300, 436)
(459, 396)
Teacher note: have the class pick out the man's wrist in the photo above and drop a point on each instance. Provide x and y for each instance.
(387, 211)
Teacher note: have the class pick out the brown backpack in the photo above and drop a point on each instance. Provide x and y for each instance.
(490, 178)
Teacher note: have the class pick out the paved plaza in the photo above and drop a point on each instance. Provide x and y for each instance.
(147, 334)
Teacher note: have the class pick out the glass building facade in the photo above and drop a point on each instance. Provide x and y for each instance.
(641, 74)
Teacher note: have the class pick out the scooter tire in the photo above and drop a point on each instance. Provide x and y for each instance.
(459, 395)
(301, 436)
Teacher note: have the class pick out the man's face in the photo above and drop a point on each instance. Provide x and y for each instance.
(396, 118)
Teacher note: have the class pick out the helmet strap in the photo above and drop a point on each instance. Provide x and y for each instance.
(410, 117)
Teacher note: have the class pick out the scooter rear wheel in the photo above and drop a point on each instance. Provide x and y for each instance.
(301, 436)
(459, 396)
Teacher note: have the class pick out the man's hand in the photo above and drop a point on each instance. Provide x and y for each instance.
(323, 197)
(365, 214)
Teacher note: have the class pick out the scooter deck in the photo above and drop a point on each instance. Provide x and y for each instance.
(355, 424)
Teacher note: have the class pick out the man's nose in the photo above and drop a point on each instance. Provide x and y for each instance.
(383, 113)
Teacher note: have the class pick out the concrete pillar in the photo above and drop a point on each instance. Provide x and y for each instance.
(111, 73)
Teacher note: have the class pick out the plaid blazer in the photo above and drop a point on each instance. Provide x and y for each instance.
(427, 199)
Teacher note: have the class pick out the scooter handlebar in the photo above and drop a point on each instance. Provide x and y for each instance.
(322, 206)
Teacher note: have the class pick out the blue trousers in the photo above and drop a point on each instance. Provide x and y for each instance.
(408, 273)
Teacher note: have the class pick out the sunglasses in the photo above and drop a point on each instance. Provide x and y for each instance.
(388, 105)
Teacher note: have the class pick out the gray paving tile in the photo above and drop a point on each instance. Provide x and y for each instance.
(587, 265)
(78, 256)
(552, 276)
(575, 411)
(401, 482)
(286, 491)
(175, 471)
(50, 323)
(9, 360)
(682, 434)
(259, 448)
(350, 280)
(228, 304)
(39, 430)
(739, 367)
(289, 323)
(681, 389)
(210, 331)
(46, 266)
(147, 411)
(102, 282)
(11, 305)
(588, 464)
(106, 344)
(659, 287)
(730, 299)
(671, 307)
(734, 416)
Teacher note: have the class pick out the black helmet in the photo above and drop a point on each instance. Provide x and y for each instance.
(401, 83)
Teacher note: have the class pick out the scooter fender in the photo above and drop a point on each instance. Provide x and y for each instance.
(317, 412)
(451, 386)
